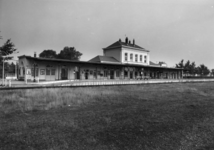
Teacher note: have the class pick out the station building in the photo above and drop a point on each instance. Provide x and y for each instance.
(120, 60)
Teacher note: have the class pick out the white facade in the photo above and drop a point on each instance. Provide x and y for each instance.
(134, 56)
(125, 64)
(128, 55)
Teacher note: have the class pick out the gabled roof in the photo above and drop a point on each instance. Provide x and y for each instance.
(102, 59)
(120, 44)
(94, 63)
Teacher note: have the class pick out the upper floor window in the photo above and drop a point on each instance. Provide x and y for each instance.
(141, 58)
(136, 58)
(131, 57)
(126, 56)
(145, 59)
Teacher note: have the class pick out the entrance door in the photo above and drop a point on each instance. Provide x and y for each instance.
(64, 74)
(86, 75)
(112, 74)
(77, 75)
(131, 74)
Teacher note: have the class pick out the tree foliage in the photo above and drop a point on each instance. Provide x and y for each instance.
(203, 70)
(190, 69)
(212, 72)
(180, 64)
(69, 53)
(48, 54)
(6, 49)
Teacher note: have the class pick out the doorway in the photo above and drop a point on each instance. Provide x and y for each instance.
(77, 75)
(131, 75)
(112, 74)
(64, 74)
(86, 75)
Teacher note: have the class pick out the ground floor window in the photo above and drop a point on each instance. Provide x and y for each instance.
(48, 71)
(131, 74)
(117, 73)
(32, 71)
(23, 71)
(126, 73)
(136, 73)
(42, 71)
(95, 74)
(53, 71)
(105, 73)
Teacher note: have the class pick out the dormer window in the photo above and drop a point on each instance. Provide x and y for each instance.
(136, 58)
(131, 57)
(126, 57)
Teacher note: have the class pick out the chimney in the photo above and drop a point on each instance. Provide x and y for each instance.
(34, 54)
(119, 40)
(133, 42)
(127, 40)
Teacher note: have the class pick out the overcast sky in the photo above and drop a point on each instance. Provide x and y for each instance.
(171, 29)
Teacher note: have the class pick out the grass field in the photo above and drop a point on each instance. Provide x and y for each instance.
(146, 117)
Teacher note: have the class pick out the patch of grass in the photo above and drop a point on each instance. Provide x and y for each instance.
(152, 116)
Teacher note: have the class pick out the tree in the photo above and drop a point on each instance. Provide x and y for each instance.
(212, 72)
(203, 70)
(48, 54)
(192, 68)
(180, 64)
(11, 67)
(69, 53)
(187, 68)
(7, 49)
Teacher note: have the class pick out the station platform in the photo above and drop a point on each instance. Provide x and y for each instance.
(81, 83)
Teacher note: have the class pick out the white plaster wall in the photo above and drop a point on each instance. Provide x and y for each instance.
(25, 64)
(21, 64)
(134, 52)
(43, 66)
(116, 53)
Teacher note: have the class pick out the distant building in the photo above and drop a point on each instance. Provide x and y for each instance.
(120, 60)
(162, 64)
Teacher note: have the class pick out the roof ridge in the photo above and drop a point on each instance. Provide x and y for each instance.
(121, 44)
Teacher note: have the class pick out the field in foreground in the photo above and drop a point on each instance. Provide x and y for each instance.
(148, 117)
